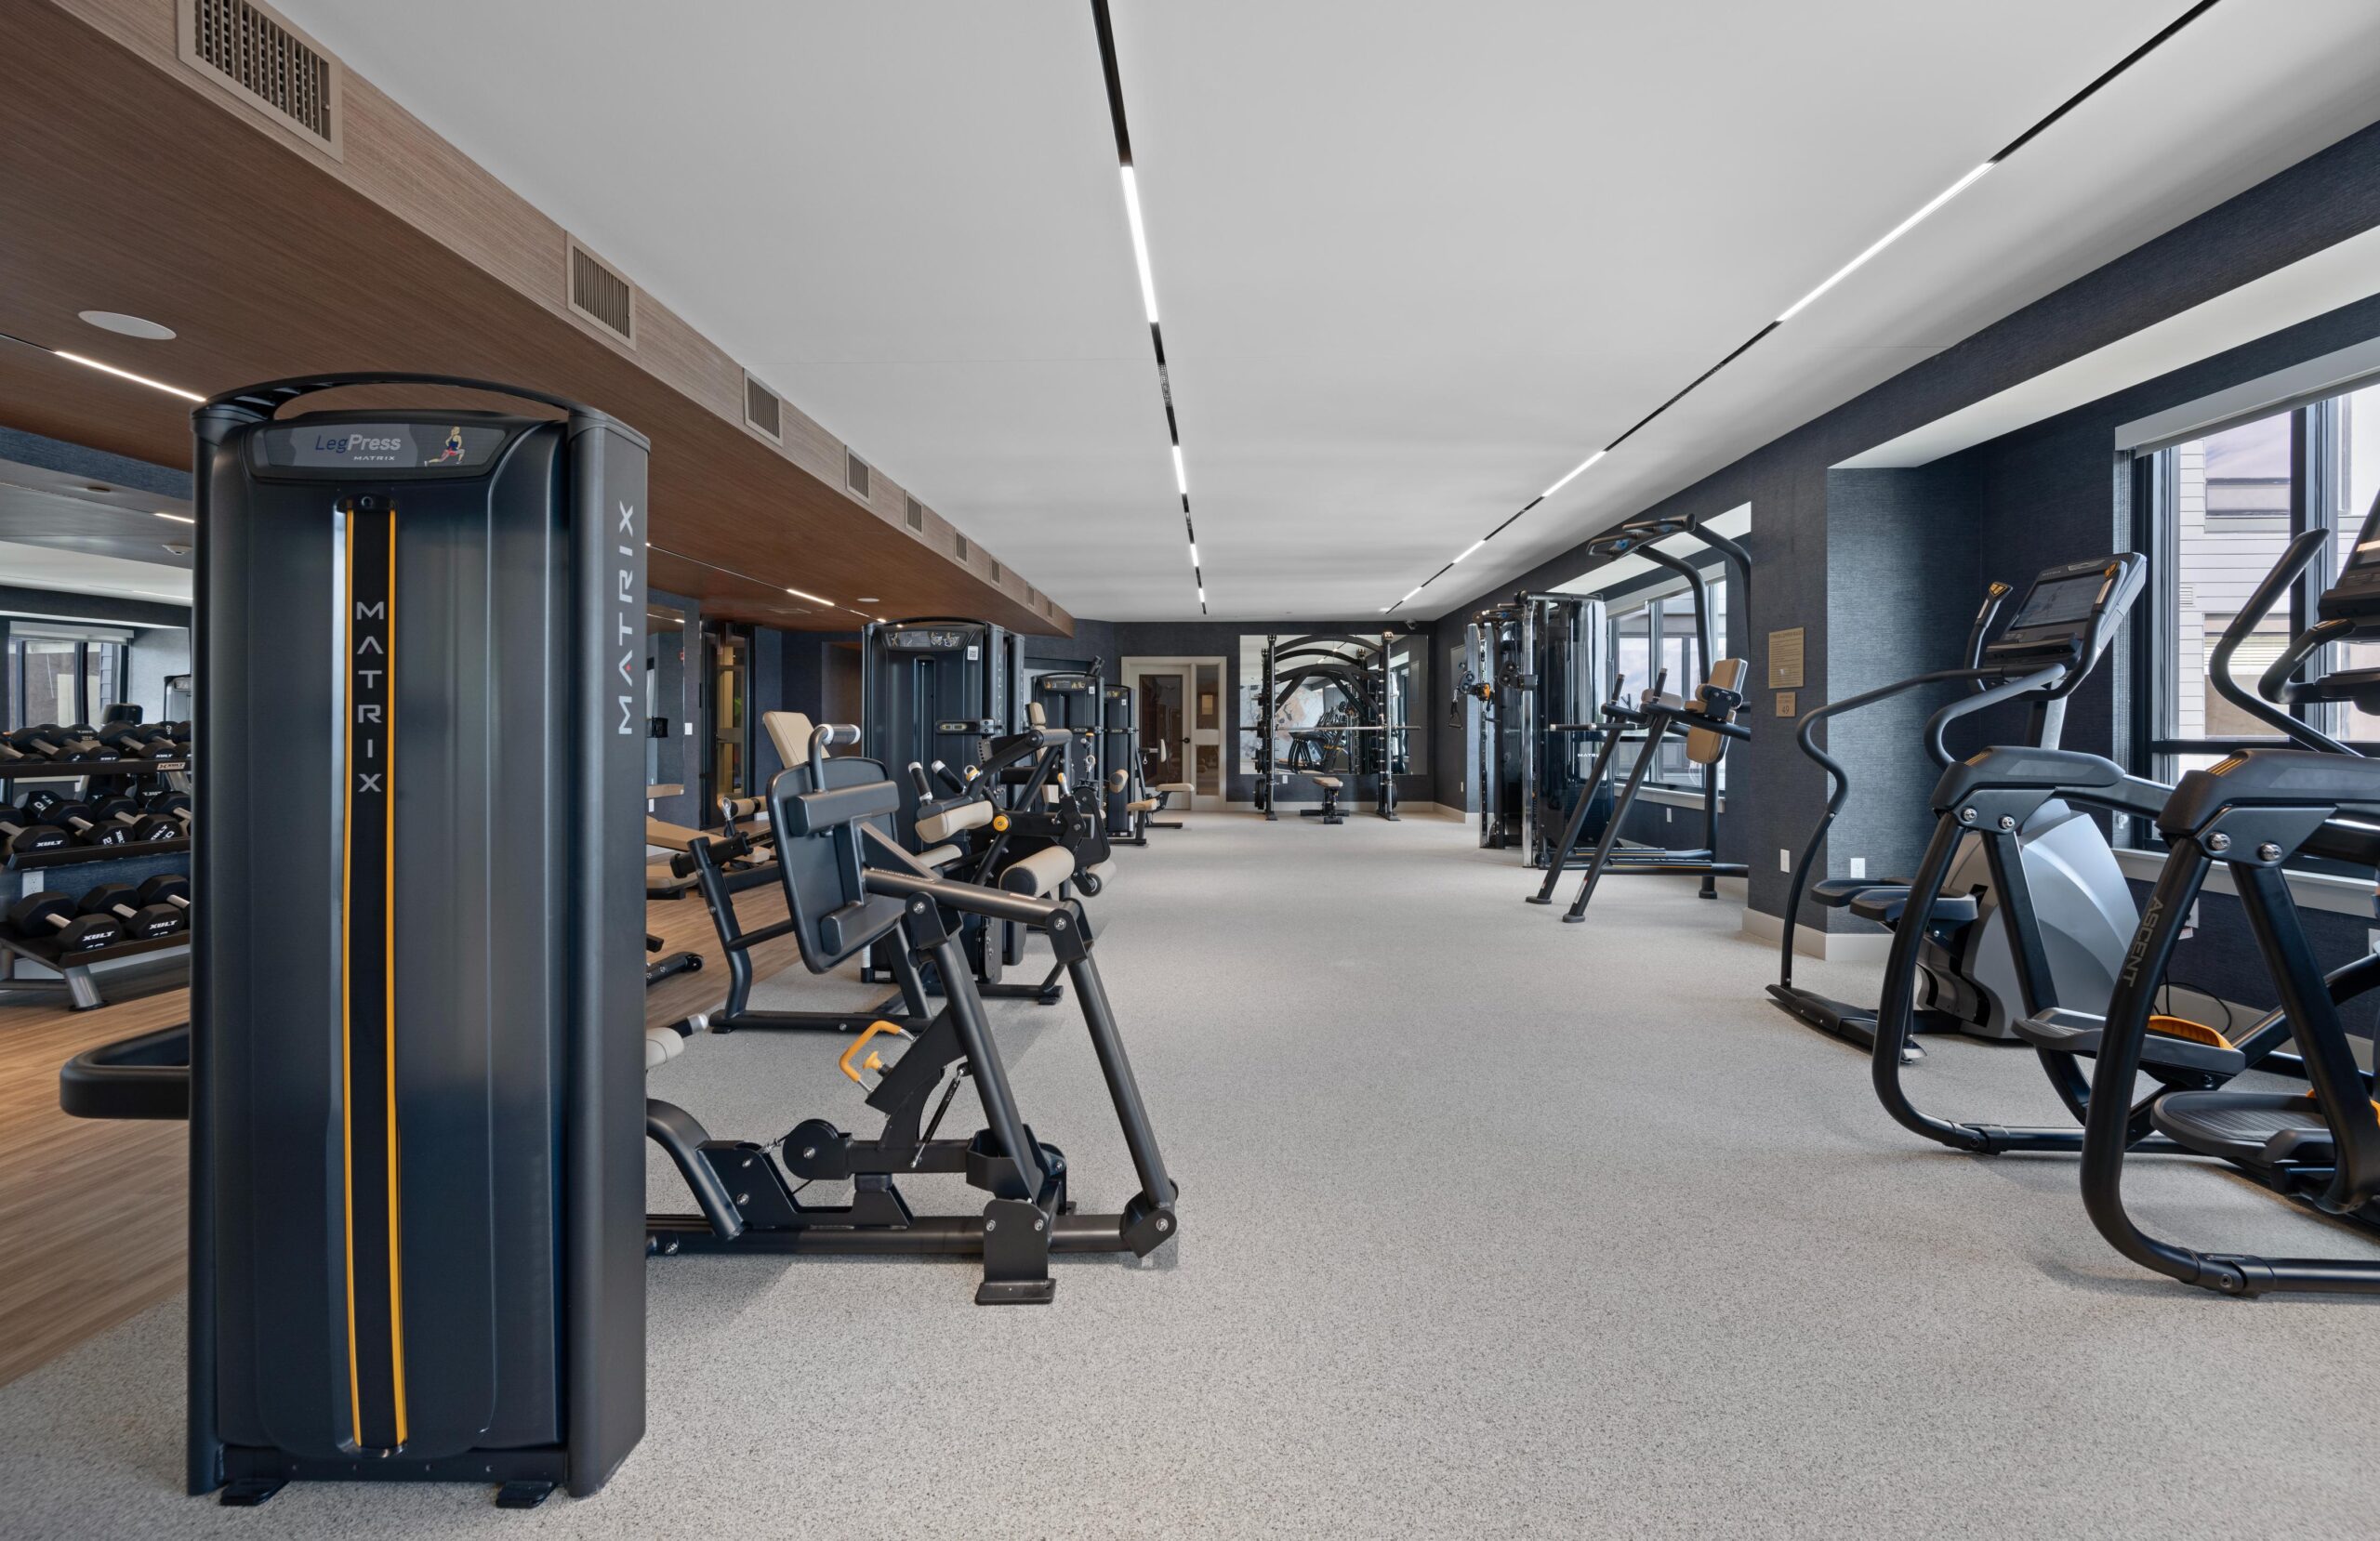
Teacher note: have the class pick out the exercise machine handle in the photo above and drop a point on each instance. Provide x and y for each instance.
(852, 1054)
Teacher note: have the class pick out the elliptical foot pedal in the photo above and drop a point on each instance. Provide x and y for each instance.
(249, 1492)
(523, 1494)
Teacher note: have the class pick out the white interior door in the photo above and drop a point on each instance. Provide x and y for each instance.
(1179, 704)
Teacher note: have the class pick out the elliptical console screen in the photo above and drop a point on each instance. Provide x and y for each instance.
(2061, 602)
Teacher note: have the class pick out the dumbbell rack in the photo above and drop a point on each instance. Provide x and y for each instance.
(74, 971)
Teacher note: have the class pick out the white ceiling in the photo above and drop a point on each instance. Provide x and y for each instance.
(1413, 260)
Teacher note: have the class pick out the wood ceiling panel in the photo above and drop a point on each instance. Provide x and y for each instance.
(131, 188)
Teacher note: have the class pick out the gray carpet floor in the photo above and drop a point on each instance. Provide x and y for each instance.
(1492, 1227)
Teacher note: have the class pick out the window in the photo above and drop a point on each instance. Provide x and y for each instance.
(68, 680)
(2224, 506)
(1679, 667)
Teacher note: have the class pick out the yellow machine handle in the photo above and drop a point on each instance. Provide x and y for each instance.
(871, 1062)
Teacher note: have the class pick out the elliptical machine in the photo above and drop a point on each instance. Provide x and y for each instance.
(1988, 809)
(1966, 960)
(2257, 809)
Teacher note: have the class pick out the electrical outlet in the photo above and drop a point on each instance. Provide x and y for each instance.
(1859, 866)
(1784, 859)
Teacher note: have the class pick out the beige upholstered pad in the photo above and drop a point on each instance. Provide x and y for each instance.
(935, 829)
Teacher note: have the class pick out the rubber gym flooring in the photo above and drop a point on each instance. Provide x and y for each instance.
(1492, 1227)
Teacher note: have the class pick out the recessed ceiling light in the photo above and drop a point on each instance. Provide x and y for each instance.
(178, 518)
(128, 326)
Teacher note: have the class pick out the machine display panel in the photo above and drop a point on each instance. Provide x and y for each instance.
(386, 446)
(928, 640)
(2061, 602)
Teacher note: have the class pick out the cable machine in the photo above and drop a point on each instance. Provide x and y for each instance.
(1533, 664)
(1353, 737)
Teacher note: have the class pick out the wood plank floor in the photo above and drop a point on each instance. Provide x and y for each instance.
(92, 1213)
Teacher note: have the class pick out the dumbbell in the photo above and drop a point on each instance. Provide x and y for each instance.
(83, 821)
(140, 921)
(22, 833)
(75, 934)
(145, 826)
(167, 888)
(62, 744)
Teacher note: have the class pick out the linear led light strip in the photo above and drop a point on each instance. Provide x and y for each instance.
(761, 582)
(1106, 31)
(104, 368)
(1838, 276)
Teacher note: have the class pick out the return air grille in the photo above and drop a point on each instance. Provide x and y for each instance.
(762, 410)
(917, 514)
(600, 295)
(857, 476)
(267, 62)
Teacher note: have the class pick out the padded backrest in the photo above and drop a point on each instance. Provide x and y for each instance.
(790, 732)
(1035, 715)
(833, 913)
(1703, 745)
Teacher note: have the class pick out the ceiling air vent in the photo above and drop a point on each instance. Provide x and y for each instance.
(763, 411)
(917, 514)
(600, 295)
(855, 476)
(258, 57)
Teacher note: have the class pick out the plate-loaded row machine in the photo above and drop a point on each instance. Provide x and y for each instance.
(417, 1110)
(2072, 908)
(1707, 721)
(1352, 739)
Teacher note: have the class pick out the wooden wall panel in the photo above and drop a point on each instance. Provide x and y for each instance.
(133, 185)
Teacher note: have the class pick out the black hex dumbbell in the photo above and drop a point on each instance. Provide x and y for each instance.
(167, 888)
(83, 821)
(22, 833)
(72, 932)
(140, 921)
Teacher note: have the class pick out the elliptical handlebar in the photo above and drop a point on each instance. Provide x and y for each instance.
(2048, 682)
(2276, 690)
(1995, 600)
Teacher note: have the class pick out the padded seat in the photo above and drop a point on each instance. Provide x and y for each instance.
(942, 856)
(1141, 805)
(1329, 784)
(1182, 788)
(2255, 1128)
(2174, 1042)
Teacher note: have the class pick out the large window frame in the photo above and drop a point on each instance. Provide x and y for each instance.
(110, 656)
(2318, 477)
(1667, 612)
